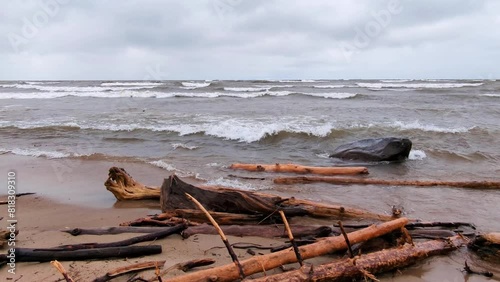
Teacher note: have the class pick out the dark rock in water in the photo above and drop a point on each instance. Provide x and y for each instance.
(379, 149)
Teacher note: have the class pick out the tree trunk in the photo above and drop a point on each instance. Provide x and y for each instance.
(265, 262)
(266, 231)
(301, 169)
(25, 254)
(246, 202)
(365, 265)
(124, 187)
(371, 181)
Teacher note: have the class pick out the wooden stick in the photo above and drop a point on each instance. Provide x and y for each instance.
(266, 231)
(300, 169)
(61, 269)
(128, 269)
(292, 240)
(349, 248)
(221, 233)
(112, 230)
(269, 261)
(371, 181)
(377, 262)
(184, 266)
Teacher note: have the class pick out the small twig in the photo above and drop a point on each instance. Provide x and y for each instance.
(470, 271)
(292, 240)
(61, 269)
(351, 255)
(221, 233)
(406, 236)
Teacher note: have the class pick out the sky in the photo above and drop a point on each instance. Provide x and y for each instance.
(249, 39)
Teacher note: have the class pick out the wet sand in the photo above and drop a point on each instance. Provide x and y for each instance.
(76, 197)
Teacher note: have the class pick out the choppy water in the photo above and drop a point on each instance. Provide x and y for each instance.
(198, 128)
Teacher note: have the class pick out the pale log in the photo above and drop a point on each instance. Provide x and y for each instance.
(265, 262)
(124, 187)
(372, 181)
(373, 263)
(300, 169)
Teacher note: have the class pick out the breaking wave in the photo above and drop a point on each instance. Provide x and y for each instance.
(194, 85)
(378, 85)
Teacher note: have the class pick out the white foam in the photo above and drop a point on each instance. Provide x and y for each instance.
(131, 83)
(417, 85)
(164, 165)
(232, 183)
(428, 127)
(332, 95)
(495, 95)
(194, 85)
(37, 153)
(330, 86)
(396, 80)
(297, 80)
(183, 146)
(417, 155)
(245, 89)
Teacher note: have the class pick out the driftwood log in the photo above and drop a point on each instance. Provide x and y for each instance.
(266, 231)
(371, 181)
(369, 264)
(26, 254)
(265, 262)
(245, 202)
(487, 246)
(300, 169)
(124, 187)
(112, 230)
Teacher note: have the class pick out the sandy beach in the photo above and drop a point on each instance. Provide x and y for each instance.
(79, 199)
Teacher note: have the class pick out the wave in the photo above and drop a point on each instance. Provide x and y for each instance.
(194, 85)
(131, 84)
(417, 155)
(330, 86)
(416, 85)
(332, 95)
(246, 89)
(36, 153)
(495, 95)
(396, 80)
(170, 167)
(297, 80)
(416, 125)
(234, 183)
(45, 88)
(183, 146)
(459, 156)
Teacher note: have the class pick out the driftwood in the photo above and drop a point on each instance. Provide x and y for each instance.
(183, 266)
(487, 246)
(124, 187)
(17, 196)
(26, 254)
(246, 202)
(127, 242)
(112, 230)
(61, 270)
(266, 231)
(136, 267)
(265, 262)
(299, 169)
(369, 264)
(371, 181)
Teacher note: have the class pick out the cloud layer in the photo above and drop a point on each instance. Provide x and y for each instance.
(240, 39)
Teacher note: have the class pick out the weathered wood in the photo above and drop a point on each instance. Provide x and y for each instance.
(378, 262)
(371, 181)
(183, 266)
(124, 187)
(247, 202)
(300, 169)
(136, 267)
(27, 254)
(112, 230)
(265, 262)
(61, 270)
(266, 231)
(487, 246)
(127, 242)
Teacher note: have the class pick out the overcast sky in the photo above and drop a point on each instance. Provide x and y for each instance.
(249, 39)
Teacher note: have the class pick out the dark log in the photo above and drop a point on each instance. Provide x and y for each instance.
(366, 265)
(127, 242)
(266, 231)
(371, 181)
(26, 254)
(17, 196)
(487, 246)
(113, 230)
(246, 202)
(265, 262)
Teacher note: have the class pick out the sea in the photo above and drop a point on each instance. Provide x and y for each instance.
(197, 129)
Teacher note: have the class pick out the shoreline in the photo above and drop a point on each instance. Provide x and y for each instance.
(81, 200)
